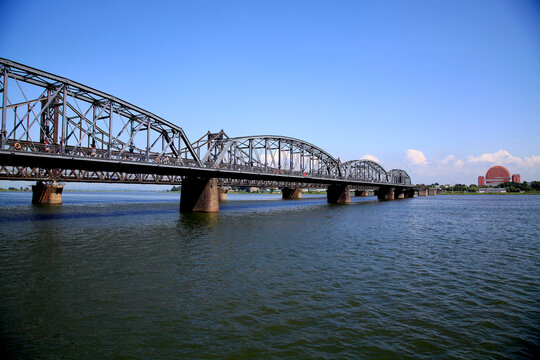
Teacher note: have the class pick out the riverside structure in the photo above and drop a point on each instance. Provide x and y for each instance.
(57, 130)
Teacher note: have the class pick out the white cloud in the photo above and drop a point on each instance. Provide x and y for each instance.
(499, 157)
(416, 157)
(371, 157)
(532, 161)
(448, 159)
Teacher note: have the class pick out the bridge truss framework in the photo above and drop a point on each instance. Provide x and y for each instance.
(55, 129)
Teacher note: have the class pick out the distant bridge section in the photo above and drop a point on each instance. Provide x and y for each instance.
(56, 130)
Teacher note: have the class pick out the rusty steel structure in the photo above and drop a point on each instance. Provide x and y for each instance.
(55, 129)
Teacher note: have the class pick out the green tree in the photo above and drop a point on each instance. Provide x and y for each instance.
(460, 188)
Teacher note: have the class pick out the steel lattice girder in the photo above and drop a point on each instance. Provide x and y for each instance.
(366, 170)
(42, 112)
(271, 154)
(398, 176)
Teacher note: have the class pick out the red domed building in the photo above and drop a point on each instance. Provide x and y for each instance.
(497, 175)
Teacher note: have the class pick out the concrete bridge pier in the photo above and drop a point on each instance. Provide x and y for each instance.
(291, 193)
(362, 193)
(47, 194)
(199, 194)
(222, 194)
(338, 194)
(423, 192)
(399, 193)
(385, 193)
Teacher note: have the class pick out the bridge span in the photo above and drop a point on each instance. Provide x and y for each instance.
(56, 130)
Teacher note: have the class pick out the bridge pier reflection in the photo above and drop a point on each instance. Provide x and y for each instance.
(338, 194)
(199, 194)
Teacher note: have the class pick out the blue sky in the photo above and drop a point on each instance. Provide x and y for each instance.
(443, 90)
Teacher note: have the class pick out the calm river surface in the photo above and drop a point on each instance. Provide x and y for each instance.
(126, 276)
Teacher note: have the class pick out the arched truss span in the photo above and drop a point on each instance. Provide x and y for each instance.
(398, 176)
(273, 155)
(364, 170)
(42, 112)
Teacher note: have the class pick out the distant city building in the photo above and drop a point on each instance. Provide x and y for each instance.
(481, 181)
(497, 175)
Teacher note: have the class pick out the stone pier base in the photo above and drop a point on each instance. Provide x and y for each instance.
(385, 193)
(338, 194)
(422, 192)
(199, 195)
(291, 193)
(47, 194)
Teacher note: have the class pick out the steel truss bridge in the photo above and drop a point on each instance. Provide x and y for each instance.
(58, 130)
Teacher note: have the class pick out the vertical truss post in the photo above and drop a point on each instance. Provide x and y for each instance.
(250, 154)
(28, 122)
(109, 143)
(265, 154)
(14, 122)
(292, 158)
(131, 136)
(63, 135)
(44, 121)
(80, 129)
(94, 119)
(179, 149)
(279, 154)
(3, 132)
(148, 139)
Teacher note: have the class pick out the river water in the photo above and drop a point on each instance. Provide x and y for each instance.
(125, 275)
